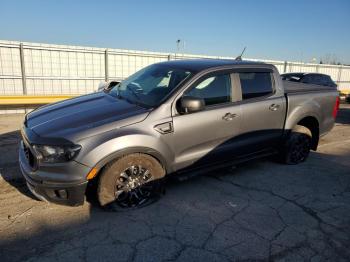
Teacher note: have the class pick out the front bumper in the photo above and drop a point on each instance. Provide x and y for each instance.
(63, 184)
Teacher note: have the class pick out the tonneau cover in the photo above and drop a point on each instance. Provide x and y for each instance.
(295, 87)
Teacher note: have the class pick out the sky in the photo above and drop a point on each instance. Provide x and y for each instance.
(297, 30)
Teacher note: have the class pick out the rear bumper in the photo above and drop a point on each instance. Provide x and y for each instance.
(43, 185)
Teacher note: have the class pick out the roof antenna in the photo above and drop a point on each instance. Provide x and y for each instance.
(239, 58)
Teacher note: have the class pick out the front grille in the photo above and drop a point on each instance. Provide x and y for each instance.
(29, 155)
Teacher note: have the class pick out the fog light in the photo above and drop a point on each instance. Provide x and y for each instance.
(61, 193)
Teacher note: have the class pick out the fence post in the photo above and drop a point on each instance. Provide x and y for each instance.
(285, 67)
(23, 69)
(106, 65)
(339, 75)
(317, 68)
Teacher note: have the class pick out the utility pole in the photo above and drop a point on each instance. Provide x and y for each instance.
(180, 44)
(178, 41)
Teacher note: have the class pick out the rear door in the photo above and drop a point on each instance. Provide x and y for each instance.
(205, 137)
(263, 110)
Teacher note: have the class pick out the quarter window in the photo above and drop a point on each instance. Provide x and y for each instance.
(214, 89)
(255, 84)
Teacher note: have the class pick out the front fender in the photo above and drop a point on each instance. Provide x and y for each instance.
(132, 143)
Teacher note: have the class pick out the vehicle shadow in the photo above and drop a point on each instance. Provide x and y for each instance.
(188, 214)
(9, 166)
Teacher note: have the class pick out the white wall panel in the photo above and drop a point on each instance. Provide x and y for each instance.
(10, 64)
(345, 74)
(330, 70)
(11, 86)
(63, 69)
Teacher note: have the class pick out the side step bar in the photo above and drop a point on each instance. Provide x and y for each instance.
(183, 175)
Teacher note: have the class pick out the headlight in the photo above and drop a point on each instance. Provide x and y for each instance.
(56, 154)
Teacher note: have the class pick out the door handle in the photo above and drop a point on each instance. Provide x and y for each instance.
(229, 116)
(274, 107)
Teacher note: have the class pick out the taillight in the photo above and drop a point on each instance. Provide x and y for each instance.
(336, 107)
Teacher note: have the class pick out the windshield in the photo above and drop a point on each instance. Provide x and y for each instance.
(149, 86)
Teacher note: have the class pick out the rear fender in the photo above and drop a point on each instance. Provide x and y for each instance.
(307, 109)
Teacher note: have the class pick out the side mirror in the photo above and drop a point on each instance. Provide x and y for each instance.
(107, 85)
(190, 104)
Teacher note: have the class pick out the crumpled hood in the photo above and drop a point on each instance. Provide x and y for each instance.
(84, 116)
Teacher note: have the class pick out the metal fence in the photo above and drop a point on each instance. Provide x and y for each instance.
(39, 69)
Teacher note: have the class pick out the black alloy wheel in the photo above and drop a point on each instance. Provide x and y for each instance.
(130, 182)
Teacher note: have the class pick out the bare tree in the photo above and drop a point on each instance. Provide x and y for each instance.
(330, 59)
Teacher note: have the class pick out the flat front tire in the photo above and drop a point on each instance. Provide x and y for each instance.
(131, 181)
(297, 146)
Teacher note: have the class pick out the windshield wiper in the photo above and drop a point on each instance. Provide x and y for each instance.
(136, 102)
(133, 92)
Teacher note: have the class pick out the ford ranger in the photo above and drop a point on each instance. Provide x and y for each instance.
(175, 117)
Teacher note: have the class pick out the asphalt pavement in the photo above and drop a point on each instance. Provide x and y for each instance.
(261, 210)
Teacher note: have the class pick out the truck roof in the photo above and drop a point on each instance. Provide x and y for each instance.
(196, 65)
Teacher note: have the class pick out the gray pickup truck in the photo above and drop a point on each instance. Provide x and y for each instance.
(175, 117)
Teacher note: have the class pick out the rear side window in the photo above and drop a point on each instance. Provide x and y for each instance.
(255, 84)
(324, 81)
(328, 81)
(318, 79)
(308, 79)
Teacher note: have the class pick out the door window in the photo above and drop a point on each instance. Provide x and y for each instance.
(308, 79)
(215, 89)
(326, 81)
(313, 79)
(318, 80)
(255, 84)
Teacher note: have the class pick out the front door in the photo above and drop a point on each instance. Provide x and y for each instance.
(205, 137)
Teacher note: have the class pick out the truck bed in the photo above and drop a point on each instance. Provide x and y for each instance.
(295, 87)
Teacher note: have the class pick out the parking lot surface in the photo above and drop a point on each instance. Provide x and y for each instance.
(261, 210)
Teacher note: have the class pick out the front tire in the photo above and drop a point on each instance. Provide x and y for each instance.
(131, 181)
(298, 146)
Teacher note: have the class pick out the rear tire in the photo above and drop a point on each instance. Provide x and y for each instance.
(298, 145)
(131, 181)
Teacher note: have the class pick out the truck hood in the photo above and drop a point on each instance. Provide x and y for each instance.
(84, 116)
